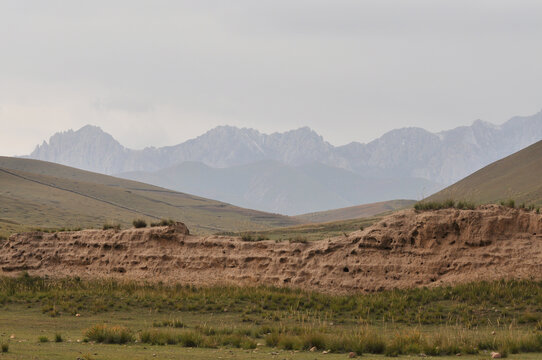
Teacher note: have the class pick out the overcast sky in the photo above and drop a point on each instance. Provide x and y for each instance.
(160, 72)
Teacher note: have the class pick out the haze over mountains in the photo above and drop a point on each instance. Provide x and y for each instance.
(298, 171)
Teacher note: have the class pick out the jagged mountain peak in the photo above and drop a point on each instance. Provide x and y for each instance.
(442, 157)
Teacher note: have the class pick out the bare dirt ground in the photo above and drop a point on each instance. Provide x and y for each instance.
(406, 249)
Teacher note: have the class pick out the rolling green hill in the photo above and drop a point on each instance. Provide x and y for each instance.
(35, 193)
(517, 177)
(355, 212)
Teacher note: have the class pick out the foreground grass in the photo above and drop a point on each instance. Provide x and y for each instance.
(470, 319)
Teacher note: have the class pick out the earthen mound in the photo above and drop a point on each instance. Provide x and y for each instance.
(406, 249)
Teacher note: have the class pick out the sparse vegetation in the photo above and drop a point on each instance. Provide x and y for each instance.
(177, 323)
(163, 222)
(511, 300)
(447, 204)
(111, 226)
(396, 322)
(299, 239)
(139, 223)
(43, 339)
(247, 237)
(102, 333)
(510, 203)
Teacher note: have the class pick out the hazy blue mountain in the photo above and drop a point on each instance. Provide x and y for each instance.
(274, 187)
(277, 172)
(409, 152)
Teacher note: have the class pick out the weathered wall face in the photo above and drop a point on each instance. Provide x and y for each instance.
(407, 249)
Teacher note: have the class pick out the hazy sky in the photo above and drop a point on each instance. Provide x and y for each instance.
(160, 72)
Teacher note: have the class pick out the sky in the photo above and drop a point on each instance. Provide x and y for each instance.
(155, 73)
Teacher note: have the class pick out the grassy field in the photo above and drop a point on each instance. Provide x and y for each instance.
(40, 194)
(130, 320)
(515, 177)
(309, 232)
(355, 212)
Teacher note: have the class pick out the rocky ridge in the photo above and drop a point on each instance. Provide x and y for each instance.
(442, 158)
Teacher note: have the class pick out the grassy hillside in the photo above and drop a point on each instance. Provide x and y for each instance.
(274, 187)
(309, 232)
(355, 212)
(41, 194)
(516, 177)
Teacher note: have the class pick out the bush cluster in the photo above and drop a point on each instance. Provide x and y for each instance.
(139, 223)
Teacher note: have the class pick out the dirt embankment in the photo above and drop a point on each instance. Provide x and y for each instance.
(406, 249)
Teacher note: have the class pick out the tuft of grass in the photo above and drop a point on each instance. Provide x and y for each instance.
(102, 333)
(163, 222)
(299, 239)
(139, 223)
(43, 339)
(247, 237)
(5, 347)
(510, 203)
(110, 226)
(58, 338)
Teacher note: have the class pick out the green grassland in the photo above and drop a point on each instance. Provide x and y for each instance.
(515, 177)
(124, 320)
(40, 194)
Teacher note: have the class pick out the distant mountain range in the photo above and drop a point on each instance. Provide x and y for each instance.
(298, 171)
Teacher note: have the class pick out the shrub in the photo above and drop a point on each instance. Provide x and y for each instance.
(5, 348)
(288, 342)
(191, 339)
(510, 203)
(159, 337)
(43, 339)
(58, 338)
(108, 226)
(248, 344)
(272, 339)
(465, 205)
(102, 333)
(167, 222)
(314, 340)
(247, 237)
(372, 342)
(139, 223)
(299, 239)
(163, 222)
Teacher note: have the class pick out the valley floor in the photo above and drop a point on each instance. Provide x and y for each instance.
(28, 325)
(71, 318)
